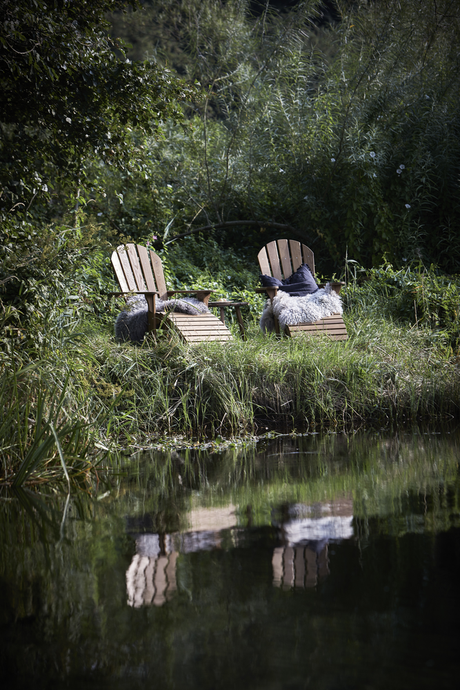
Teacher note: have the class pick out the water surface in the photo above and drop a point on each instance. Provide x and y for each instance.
(308, 562)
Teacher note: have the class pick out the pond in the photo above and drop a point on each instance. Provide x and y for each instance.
(317, 561)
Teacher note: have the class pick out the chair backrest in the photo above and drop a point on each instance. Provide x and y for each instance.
(282, 258)
(138, 269)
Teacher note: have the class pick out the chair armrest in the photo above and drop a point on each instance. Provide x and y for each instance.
(271, 292)
(132, 292)
(202, 295)
(336, 285)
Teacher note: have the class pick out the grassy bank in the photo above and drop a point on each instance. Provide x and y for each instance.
(81, 395)
(384, 374)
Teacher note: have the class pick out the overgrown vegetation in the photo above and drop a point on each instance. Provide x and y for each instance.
(86, 394)
(340, 130)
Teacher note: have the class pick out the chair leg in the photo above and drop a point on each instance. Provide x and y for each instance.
(151, 314)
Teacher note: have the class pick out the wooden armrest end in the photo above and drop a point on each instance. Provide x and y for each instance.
(189, 292)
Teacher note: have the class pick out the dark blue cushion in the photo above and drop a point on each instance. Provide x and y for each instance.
(268, 281)
(299, 284)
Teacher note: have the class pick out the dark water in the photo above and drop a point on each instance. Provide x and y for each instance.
(325, 562)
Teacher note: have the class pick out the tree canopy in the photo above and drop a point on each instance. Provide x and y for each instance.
(345, 132)
(67, 91)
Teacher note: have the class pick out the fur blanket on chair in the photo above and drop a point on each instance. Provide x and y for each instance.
(132, 322)
(293, 310)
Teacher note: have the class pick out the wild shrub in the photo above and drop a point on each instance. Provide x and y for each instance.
(415, 295)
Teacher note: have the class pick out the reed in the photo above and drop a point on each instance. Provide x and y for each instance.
(45, 430)
(78, 398)
(385, 374)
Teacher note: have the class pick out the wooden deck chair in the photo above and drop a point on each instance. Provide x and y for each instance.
(280, 259)
(139, 271)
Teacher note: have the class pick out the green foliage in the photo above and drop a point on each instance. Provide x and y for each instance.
(422, 297)
(70, 101)
(356, 149)
(399, 365)
(202, 263)
(39, 439)
(384, 374)
(56, 56)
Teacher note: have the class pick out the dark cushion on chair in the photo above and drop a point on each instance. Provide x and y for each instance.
(268, 281)
(299, 284)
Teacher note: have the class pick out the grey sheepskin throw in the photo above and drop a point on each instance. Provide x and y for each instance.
(292, 310)
(132, 322)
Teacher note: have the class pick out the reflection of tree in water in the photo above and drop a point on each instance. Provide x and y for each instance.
(304, 531)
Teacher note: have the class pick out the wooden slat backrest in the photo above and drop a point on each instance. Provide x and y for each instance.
(273, 256)
(308, 258)
(146, 268)
(159, 275)
(264, 262)
(139, 269)
(118, 269)
(285, 257)
(125, 276)
(282, 258)
(136, 267)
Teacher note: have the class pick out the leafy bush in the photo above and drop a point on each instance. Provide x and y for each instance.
(415, 295)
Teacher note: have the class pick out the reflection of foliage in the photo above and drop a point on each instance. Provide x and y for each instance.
(375, 472)
(58, 590)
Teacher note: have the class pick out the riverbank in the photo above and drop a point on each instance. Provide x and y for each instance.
(383, 375)
(97, 394)
(78, 396)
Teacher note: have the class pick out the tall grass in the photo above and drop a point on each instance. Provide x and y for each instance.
(75, 395)
(384, 374)
(47, 427)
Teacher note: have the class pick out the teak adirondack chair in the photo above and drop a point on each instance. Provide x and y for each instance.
(140, 271)
(282, 258)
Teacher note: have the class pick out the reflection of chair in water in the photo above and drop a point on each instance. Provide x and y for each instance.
(151, 577)
(298, 566)
(304, 558)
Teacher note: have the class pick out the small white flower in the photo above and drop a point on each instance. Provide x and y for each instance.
(401, 167)
(99, 214)
(332, 160)
(399, 171)
(372, 154)
(44, 187)
(407, 205)
(68, 120)
(374, 175)
(281, 170)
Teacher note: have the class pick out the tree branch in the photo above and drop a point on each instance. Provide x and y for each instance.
(232, 223)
